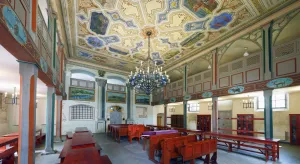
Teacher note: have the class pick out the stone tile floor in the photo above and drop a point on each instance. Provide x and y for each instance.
(126, 153)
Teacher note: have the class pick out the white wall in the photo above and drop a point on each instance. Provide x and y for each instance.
(150, 115)
(70, 125)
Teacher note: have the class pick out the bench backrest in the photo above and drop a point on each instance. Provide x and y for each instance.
(154, 141)
(172, 144)
(135, 129)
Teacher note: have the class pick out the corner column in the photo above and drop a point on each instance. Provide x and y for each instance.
(165, 114)
(215, 114)
(214, 69)
(101, 125)
(50, 120)
(27, 109)
(185, 92)
(267, 51)
(129, 105)
(268, 114)
(58, 118)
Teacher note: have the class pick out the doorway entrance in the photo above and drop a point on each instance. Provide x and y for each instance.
(295, 129)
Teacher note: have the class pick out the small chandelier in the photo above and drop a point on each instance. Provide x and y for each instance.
(13, 100)
(248, 103)
(148, 76)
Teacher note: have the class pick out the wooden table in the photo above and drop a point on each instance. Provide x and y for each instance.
(11, 135)
(118, 130)
(264, 145)
(8, 140)
(82, 140)
(81, 129)
(85, 155)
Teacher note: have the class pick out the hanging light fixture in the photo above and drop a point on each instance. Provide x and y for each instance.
(148, 76)
(248, 103)
(246, 52)
(13, 100)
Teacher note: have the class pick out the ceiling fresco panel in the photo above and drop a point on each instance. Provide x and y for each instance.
(102, 30)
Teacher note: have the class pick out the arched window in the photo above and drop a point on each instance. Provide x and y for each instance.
(82, 112)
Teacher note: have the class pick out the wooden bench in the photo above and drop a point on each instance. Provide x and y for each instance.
(155, 143)
(191, 151)
(7, 154)
(40, 136)
(79, 143)
(171, 147)
(266, 147)
(135, 131)
(69, 135)
(85, 155)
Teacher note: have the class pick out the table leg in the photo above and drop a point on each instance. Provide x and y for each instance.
(144, 144)
(277, 150)
(214, 158)
(238, 144)
(274, 152)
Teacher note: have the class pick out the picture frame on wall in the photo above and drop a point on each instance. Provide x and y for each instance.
(81, 94)
(115, 97)
(142, 99)
(141, 112)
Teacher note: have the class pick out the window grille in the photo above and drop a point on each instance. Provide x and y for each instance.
(81, 112)
(253, 60)
(194, 107)
(198, 78)
(285, 50)
(223, 69)
(237, 65)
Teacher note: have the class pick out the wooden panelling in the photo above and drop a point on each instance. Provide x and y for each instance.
(207, 86)
(253, 75)
(224, 82)
(286, 67)
(21, 11)
(237, 78)
(198, 88)
(190, 89)
(174, 93)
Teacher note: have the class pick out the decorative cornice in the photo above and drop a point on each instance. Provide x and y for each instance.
(95, 66)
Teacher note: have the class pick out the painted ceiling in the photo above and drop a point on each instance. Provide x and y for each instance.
(111, 33)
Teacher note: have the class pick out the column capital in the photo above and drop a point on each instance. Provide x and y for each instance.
(101, 81)
(267, 26)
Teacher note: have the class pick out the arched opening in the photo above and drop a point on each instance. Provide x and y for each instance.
(237, 49)
(289, 32)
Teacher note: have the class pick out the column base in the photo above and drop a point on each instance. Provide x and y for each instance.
(49, 151)
(57, 140)
(129, 121)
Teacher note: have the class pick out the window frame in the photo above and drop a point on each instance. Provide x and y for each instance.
(197, 106)
(285, 108)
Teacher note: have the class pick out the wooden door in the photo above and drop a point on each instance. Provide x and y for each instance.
(295, 129)
(245, 123)
(204, 123)
(159, 120)
(225, 121)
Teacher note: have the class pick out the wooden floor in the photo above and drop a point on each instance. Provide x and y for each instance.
(126, 153)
